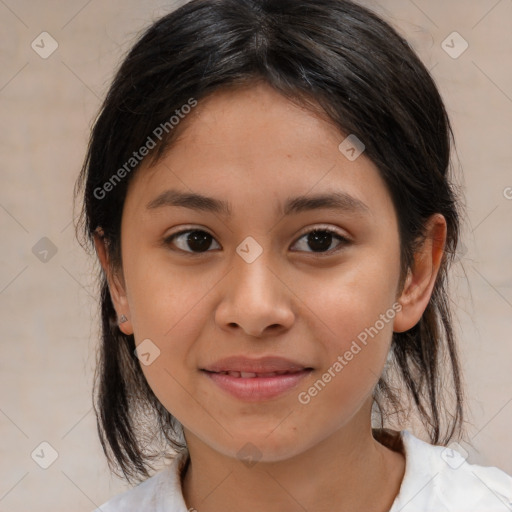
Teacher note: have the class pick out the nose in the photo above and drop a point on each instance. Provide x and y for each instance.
(255, 299)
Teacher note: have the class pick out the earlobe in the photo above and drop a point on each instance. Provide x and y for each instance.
(421, 279)
(115, 284)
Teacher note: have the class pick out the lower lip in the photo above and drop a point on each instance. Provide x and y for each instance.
(255, 389)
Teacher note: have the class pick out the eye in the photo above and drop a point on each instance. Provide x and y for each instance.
(196, 240)
(321, 239)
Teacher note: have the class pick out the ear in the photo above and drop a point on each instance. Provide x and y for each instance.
(115, 283)
(421, 278)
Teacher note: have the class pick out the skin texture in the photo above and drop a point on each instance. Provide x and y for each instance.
(254, 148)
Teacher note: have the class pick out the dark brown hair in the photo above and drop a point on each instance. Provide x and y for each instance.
(369, 82)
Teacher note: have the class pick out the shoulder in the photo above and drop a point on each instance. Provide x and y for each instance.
(159, 493)
(439, 478)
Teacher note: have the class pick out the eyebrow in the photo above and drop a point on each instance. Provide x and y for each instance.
(340, 201)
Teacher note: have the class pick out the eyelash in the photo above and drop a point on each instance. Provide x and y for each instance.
(342, 239)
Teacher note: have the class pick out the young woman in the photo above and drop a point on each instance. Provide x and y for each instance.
(267, 189)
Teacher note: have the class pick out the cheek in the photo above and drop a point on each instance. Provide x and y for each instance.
(352, 297)
(161, 296)
(170, 306)
(354, 317)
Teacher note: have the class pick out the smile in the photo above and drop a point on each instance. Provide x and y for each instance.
(250, 375)
(255, 387)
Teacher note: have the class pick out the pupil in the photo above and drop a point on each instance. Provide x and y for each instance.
(198, 241)
(320, 240)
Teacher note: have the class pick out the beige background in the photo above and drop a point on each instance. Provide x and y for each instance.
(49, 319)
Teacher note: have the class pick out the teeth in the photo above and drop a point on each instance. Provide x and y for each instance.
(247, 375)
(252, 375)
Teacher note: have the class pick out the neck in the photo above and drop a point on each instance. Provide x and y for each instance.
(350, 470)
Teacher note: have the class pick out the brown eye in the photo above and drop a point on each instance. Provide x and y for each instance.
(321, 240)
(191, 240)
(317, 241)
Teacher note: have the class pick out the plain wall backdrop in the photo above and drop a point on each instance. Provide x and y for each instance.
(47, 282)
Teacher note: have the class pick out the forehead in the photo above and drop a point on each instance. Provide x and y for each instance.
(260, 118)
(253, 144)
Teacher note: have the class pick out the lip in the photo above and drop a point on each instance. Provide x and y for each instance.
(266, 364)
(254, 380)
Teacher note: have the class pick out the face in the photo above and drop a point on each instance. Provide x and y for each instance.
(311, 281)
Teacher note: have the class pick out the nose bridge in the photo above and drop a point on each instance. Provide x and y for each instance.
(254, 278)
(254, 298)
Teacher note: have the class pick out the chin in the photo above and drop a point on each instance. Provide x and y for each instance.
(260, 447)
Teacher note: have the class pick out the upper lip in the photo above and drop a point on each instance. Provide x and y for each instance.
(267, 364)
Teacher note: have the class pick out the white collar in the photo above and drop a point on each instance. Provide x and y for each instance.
(430, 484)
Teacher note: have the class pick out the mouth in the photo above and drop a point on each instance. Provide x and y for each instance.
(256, 379)
(246, 367)
(258, 375)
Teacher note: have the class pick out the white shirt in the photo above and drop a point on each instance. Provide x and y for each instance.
(436, 479)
